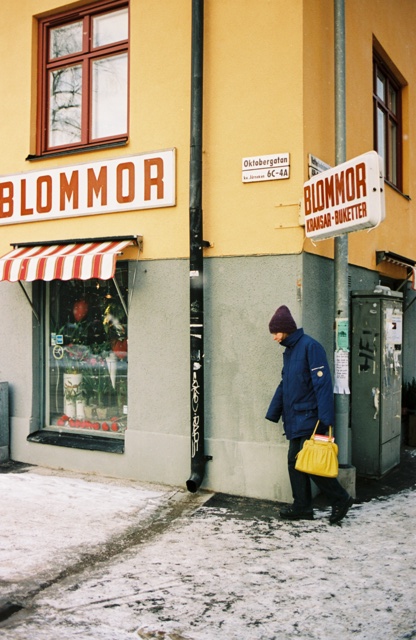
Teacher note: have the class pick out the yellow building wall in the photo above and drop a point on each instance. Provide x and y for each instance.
(393, 26)
(318, 99)
(159, 119)
(252, 106)
(268, 88)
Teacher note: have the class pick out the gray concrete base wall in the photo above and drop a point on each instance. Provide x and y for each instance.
(4, 422)
(242, 369)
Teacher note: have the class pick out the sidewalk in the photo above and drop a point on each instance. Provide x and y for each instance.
(84, 557)
(400, 478)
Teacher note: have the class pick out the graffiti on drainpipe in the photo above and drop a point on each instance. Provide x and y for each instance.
(195, 412)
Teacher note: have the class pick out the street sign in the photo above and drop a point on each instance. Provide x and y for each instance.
(274, 166)
(315, 165)
(346, 198)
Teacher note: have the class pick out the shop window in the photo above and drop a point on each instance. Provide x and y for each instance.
(87, 359)
(83, 79)
(387, 121)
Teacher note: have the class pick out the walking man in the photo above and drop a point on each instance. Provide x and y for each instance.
(304, 396)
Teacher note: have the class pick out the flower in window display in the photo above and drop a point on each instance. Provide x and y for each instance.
(75, 360)
(75, 349)
(76, 356)
(115, 326)
(75, 332)
(121, 390)
(72, 358)
(73, 395)
(119, 347)
(115, 322)
(94, 343)
(96, 382)
(80, 310)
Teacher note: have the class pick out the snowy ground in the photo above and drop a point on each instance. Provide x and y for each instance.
(201, 572)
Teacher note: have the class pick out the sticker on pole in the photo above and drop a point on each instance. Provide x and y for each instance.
(348, 197)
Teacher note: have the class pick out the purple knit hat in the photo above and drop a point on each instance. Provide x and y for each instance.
(282, 321)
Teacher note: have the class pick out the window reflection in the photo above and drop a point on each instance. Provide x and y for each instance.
(65, 106)
(392, 154)
(381, 126)
(392, 99)
(109, 99)
(110, 27)
(66, 40)
(380, 86)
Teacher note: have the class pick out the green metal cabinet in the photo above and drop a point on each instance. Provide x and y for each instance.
(376, 379)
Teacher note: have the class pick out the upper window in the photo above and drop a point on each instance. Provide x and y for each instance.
(83, 96)
(387, 121)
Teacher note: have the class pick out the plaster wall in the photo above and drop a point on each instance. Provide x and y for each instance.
(409, 343)
(242, 370)
(389, 28)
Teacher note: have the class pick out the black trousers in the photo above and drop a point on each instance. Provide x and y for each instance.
(301, 485)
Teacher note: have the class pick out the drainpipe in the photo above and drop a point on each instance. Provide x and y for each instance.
(198, 457)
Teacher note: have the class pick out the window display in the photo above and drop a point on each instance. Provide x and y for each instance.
(87, 355)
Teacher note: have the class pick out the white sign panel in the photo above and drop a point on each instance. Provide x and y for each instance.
(394, 327)
(341, 376)
(271, 167)
(123, 184)
(348, 197)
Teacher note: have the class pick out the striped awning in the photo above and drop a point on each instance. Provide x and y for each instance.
(401, 261)
(80, 260)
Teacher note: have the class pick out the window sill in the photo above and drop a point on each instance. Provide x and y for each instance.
(76, 441)
(392, 186)
(70, 152)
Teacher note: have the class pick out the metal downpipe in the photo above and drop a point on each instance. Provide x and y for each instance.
(198, 457)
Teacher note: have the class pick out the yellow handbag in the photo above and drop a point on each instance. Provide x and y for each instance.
(319, 455)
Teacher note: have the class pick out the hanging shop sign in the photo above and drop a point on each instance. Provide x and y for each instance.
(144, 181)
(346, 198)
(274, 166)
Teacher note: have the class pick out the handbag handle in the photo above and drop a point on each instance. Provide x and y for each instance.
(316, 426)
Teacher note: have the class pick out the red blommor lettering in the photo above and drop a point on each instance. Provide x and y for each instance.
(155, 180)
(6, 199)
(97, 185)
(24, 210)
(123, 169)
(44, 194)
(68, 189)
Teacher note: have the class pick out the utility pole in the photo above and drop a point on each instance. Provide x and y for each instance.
(342, 400)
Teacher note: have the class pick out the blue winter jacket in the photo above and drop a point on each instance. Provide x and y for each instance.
(305, 393)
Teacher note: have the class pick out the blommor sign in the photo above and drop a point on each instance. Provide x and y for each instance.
(348, 197)
(137, 182)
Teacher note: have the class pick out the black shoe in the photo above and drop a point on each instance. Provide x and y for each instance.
(290, 513)
(339, 511)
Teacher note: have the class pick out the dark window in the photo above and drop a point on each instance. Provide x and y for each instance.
(86, 356)
(83, 77)
(387, 121)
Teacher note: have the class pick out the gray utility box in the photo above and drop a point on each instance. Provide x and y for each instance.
(376, 380)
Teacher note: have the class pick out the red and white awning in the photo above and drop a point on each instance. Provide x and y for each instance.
(398, 260)
(80, 261)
